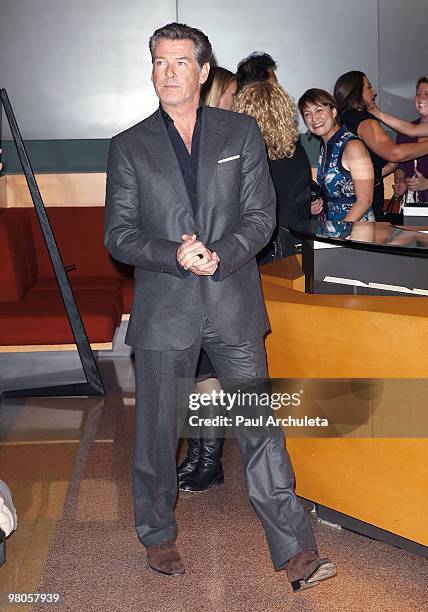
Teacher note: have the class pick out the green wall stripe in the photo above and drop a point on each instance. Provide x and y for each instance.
(85, 155)
(58, 156)
(88, 155)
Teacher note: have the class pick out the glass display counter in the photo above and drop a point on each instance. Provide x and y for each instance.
(364, 258)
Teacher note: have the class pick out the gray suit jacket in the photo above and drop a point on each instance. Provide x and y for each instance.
(148, 209)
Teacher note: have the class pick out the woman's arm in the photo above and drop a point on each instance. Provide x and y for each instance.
(376, 139)
(317, 206)
(356, 159)
(399, 125)
(389, 169)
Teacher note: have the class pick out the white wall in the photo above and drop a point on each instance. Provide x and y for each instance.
(403, 53)
(78, 68)
(81, 68)
(313, 41)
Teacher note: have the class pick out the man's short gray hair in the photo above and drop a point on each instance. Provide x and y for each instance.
(181, 31)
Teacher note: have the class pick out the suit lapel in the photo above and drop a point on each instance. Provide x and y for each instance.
(213, 135)
(159, 145)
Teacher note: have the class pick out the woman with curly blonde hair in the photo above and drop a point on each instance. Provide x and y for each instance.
(275, 113)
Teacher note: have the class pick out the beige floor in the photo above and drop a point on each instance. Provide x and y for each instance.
(68, 463)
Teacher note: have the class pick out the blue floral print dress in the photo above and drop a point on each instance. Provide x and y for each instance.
(336, 180)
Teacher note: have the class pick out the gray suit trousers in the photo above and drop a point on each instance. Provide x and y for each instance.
(268, 471)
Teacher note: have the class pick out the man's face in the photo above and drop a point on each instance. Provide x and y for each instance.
(176, 75)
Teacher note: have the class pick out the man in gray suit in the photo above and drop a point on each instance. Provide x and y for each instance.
(190, 203)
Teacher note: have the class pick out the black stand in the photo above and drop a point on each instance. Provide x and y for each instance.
(2, 547)
(93, 384)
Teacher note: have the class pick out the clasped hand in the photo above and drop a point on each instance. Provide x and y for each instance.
(417, 182)
(194, 256)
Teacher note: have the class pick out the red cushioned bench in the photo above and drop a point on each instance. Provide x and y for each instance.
(31, 308)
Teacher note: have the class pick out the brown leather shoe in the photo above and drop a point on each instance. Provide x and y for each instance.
(165, 558)
(306, 570)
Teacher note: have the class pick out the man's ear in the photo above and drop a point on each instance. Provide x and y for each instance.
(203, 75)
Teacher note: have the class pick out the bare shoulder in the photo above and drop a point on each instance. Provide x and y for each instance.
(355, 149)
(356, 159)
(369, 128)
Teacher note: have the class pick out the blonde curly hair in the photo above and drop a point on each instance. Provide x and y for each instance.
(275, 112)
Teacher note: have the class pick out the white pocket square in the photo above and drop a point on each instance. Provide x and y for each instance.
(226, 159)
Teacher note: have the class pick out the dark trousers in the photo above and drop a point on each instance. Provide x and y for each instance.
(268, 471)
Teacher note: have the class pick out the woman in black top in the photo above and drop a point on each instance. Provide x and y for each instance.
(290, 169)
(355, 97)
(291, 178)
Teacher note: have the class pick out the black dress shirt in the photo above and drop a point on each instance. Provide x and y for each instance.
(188, 161)
(188, 164)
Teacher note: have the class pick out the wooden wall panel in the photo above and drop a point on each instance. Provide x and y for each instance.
(382, 481)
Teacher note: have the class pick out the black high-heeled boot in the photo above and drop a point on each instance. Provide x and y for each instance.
(209, 471)
(188, 466)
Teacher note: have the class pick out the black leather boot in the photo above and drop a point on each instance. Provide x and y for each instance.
(209, 471)
(190, 463)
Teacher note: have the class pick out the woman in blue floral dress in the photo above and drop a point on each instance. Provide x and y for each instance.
(345, 170)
